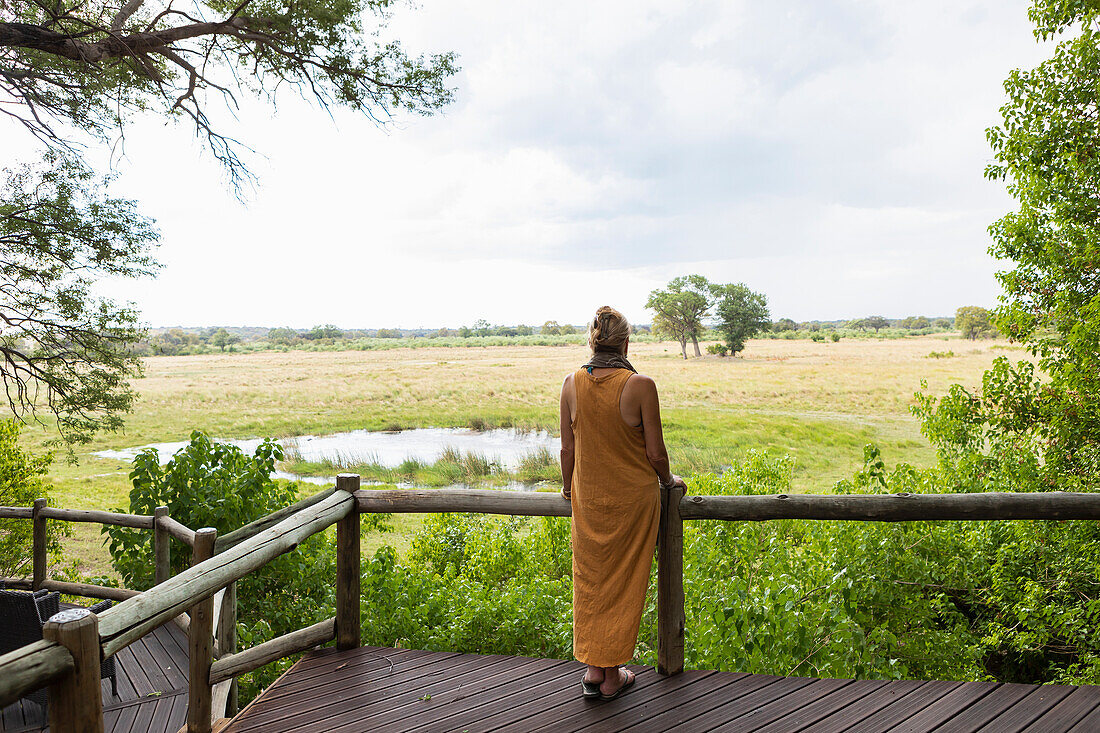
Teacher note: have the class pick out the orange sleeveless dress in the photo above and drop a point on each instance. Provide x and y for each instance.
(616, 509)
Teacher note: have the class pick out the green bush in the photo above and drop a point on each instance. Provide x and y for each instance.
(208, 484)
(718, 349)
(20, 484)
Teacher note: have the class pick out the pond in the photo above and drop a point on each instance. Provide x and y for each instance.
(504, 446)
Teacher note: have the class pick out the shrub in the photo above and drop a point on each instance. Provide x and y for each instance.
(718, 349)
(20, 484)
(208, 484)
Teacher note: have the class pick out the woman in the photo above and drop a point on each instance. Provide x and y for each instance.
(612, 457)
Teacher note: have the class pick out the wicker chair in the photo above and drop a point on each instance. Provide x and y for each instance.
(22, 615)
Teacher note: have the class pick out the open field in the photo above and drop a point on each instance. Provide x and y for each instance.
(818, 402)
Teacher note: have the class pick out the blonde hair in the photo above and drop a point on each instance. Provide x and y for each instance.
(608, 331)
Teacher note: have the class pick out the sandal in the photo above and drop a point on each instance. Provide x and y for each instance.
(590, 689)
(630, 677)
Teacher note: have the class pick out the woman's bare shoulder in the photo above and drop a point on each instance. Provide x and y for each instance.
(642, 383)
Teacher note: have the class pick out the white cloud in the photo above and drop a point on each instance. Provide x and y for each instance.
(828, 153)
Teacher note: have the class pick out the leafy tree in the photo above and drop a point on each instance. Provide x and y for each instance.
(222, 338)
(784, 324)
(66, 352)
(859, 324)
(20, 484)
(568, 329)
(327, 331)
(741, 314)
(465, 332)
(550, 328)
(1036, 427)
(973, 322)
(283, 336)
(875, 322)
(680, 308)
(482, 328)
(90, 66)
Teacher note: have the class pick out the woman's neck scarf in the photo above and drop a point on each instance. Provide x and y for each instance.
(608, 360)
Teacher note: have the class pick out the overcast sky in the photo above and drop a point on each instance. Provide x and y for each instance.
(827, 153)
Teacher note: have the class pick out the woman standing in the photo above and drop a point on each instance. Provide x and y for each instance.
(612, 457)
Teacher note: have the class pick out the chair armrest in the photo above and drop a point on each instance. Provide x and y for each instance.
(101, 606)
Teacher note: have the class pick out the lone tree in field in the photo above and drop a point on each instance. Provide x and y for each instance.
(680, 308)
(741, 314)
(76, 71)
(974, 322)
(875, 322)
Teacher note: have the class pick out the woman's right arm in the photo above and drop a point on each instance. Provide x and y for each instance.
(567, 440)
(655, 450)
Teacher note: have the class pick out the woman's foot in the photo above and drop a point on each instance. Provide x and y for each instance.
(615, 684)
(590, 685)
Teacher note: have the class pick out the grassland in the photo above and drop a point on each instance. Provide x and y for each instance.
(818, 402)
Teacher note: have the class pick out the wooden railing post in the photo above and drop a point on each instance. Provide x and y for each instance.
(76, 700)
(201, 643)
(227, 640)
(162, 547)
(670, 585)
(347, 570)
(38, 544)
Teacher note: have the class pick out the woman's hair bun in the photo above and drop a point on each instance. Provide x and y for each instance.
(608, 330)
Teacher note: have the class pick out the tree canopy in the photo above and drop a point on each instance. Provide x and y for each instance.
(64, 350)
(679, 309)
(88, 66)
(741, 314)
(1023, 428)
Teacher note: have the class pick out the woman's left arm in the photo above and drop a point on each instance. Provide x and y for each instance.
(567, 442)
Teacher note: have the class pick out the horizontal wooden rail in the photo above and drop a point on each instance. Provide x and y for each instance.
(88, 590)
(903, 507)
(16, 512)
(31, 667)
(178, 530)
(480, 501)
(137, 521)
(277, 648)
(127, 622)
(229, 539)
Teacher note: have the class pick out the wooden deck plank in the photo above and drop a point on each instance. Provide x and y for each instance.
(413, 698)
(554, 678)
(904, 708)
(586, 713)
(305, 707)
(724, 713)
(729, 696)
(1027, 710)
(122, 719)
(686, 698)
(406, 690)
(761, 716)
(845, 718)
(986, 709)
(566, 695)
(806, 715)
(1070, 710)
(947, 707)
(493, 689)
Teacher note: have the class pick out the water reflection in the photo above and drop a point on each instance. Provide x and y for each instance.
(506, 447)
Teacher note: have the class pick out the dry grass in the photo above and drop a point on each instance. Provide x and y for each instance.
(819, 402)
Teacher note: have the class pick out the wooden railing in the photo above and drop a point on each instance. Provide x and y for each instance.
(74, 643)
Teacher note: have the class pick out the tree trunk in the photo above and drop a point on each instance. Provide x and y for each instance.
(695, 343)
(684, 348)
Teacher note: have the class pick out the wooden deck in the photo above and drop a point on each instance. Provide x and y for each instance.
(381, 689)
(152, 689)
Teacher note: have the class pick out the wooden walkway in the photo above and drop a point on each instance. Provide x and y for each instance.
(381, 689)
(152, 689)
